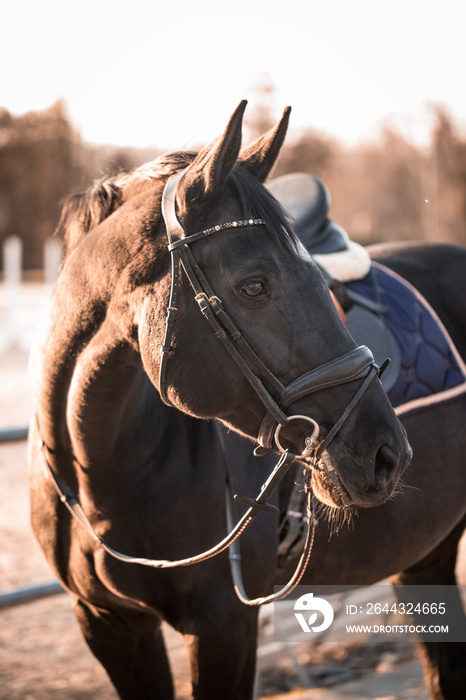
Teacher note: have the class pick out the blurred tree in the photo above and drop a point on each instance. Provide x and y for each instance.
(386, 190)
(448, 168)
(391, 193)
(42, 159)
(102, 161)
(309, 152)
(38, 166)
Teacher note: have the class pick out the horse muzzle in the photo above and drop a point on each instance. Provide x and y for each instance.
(338, 479)
(349, 484)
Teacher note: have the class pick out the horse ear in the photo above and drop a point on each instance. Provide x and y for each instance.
(207, 173)
(259, 158)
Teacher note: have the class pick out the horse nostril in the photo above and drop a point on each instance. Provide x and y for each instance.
(386, 464)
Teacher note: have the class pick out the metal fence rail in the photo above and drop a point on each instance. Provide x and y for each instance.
(28, 594)
(13, 434)
(25, 594)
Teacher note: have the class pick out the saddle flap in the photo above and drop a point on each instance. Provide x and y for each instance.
(369, 329)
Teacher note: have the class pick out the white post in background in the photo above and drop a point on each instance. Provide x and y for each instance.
(52, 261)
(12, 256)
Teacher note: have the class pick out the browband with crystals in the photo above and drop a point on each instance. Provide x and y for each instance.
(215, 229)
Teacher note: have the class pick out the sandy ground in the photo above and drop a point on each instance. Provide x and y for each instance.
(42, 654)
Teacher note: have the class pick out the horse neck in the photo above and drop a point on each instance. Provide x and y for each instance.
(93, 395)
(109, 398)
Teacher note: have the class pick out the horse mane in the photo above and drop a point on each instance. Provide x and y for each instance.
(83, 211)
(257, 202)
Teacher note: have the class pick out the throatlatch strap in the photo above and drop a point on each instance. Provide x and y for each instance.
(170, 319)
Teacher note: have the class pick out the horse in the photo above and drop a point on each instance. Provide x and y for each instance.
(185, 301)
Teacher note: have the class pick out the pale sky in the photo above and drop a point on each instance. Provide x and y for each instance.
(169, 73)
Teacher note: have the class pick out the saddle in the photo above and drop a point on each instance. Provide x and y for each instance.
(307, 201)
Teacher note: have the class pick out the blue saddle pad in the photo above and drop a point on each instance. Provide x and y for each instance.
(429, 368)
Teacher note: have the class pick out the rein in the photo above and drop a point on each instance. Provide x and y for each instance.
(255, 506)
(358, 364)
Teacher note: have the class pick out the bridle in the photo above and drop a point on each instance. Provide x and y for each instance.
(355, 365)
(358, 364)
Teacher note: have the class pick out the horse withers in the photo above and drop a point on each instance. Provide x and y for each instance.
(185, 295)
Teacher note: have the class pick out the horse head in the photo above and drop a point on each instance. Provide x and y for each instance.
(252, 336)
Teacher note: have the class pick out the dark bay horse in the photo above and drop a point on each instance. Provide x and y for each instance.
(116, 433)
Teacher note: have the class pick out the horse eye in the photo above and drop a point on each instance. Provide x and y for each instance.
(254, 289)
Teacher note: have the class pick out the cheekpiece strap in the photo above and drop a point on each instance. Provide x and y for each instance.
(175, 230)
